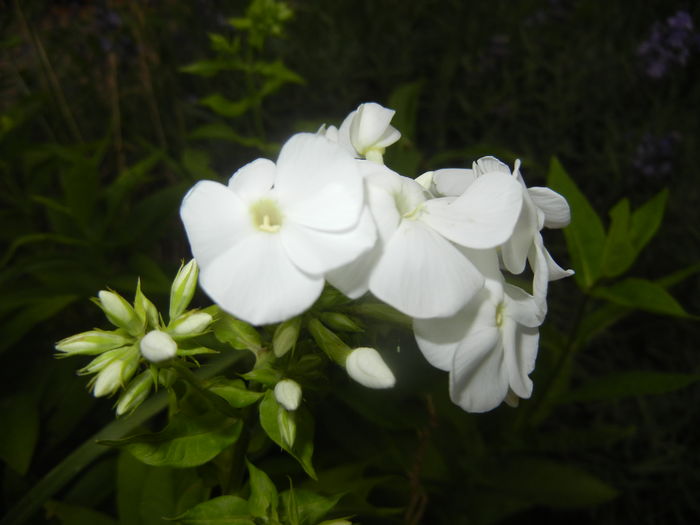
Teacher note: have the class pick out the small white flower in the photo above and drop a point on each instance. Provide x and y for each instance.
(288, 394)
(265, 242)
(367, 367)
(367, 131)
(157, 346)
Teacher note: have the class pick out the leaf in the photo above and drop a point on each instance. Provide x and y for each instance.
(20, 414)
(224, 510)
(234, 392)
(225, 107)
(263, 494)
(76, 515)
(629, 384)
(585, 236)
(197, 163)
(303, 444)
(221, 131)
(544, 482)
(185, 442)
(310, 507)
(239, 334)
(619, 254)
(641, 294)
(647, 219)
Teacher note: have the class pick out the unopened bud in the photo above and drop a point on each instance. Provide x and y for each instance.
(183, 288)
(192, 323)
(331, 344)
(157, 346)
(109, 379)
(91, 343)
(367, 367)
(288, 426)
(288, 394)
(119, 312)
(286, 335)
(340, 322)
(136, 393)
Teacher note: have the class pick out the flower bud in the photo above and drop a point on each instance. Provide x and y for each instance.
(286, 335)
(108, 381)
(145, 309)
(119, 312)
(136, 393)
(192, 323)
(157, 346)
(370, 131)
(288, 426)
(183, 288)
(91, 343)
(288, 394)
(331, 344)
(340, 322)
(367, 367)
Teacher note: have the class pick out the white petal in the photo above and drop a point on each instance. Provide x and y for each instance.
(520, 349)
(479, 379)
(257, 282)
(484, 216)
(490, 164)
(522, 307)
(515, 250)
(422, 274)
(215, 219)
(369, 126)
(317, 252)
(318, 183)
(452, 181)
(253, 180)
(556, 210)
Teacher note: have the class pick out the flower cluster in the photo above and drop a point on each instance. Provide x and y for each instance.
(433, 248)
(668, 44)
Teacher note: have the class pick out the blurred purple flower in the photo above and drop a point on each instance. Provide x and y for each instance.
(654, 155)
(669, 43)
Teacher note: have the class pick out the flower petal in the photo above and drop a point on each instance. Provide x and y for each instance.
(557, 213)
(215, 219)
(422, 274)
(257, 282)
(522, 307)
(318, 183)
(515, 250)
(520, 346)
(452, 181)
(479, 379)
(484, 216)
(253, 180)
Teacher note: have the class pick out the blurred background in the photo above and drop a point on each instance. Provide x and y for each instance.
(110, 110)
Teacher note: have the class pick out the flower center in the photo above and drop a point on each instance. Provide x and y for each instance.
(266, 216)
(499, 314)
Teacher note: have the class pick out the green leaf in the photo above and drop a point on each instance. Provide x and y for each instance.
(629, 384)
(303, 444)
(647, 219)
(186, 441)
(224, 510)
(263, 494)
(310, 507)
(544, 482)
(239, 334)
(221, 131)
(619, 254)
(226, 107)
(20, 414)
(641, 294)
(585, 236)
(234, 392)
(197, 163)
(76, 515)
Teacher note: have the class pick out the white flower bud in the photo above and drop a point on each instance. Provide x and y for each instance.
(288, 394)
(136, 393)
(191, 324)
(91, 343)
(157, 346)
(119, 312)
(367, 367)
(109, 379)
(183, 288)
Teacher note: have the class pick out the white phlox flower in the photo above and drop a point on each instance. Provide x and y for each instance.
(489, 347)
(265, 242)
(367, 131)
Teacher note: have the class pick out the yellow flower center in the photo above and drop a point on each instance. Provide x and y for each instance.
(499, 314)
(266, 216)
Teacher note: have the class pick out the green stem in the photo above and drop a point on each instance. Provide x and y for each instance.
(86, 453)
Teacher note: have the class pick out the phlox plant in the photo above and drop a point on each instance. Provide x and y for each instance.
(321, 266)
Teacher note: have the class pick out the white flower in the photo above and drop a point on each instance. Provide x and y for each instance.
(288, 394)
(264, 242)
(367, 131)
(367, 367)
(414, 267)
(489, 347)
(157, 346)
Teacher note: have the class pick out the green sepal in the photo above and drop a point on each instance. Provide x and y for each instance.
(340, 322)
(145, 310)
(330, 343)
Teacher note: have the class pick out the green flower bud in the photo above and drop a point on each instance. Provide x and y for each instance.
(91, 343)
(108, 381)
(288, 426)
(102, 361)
(145, 310)
(183, 288)
(330, 343)
(136, 393)
(288, 394)
(119, 312)
(340, 322)
(286, 335)
(157, 346)
(192, 323)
